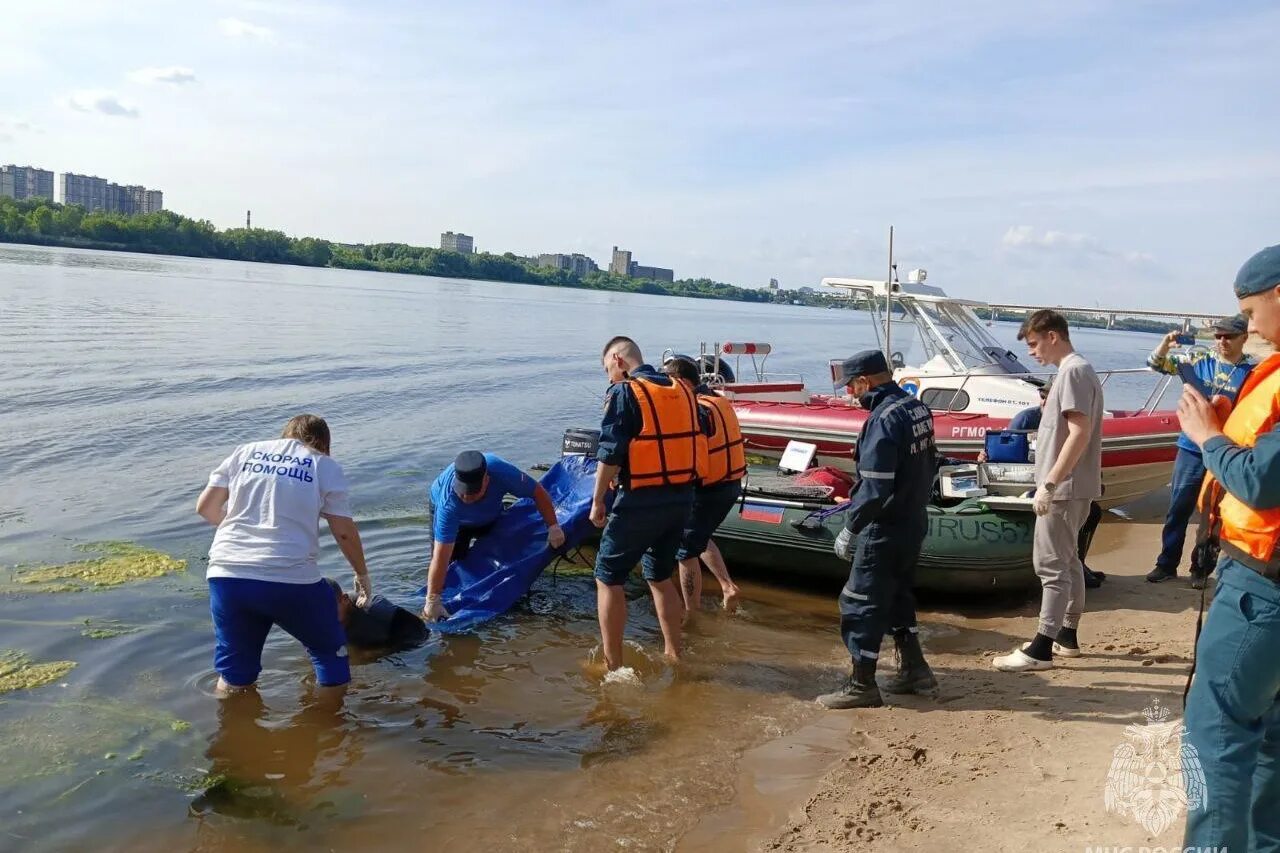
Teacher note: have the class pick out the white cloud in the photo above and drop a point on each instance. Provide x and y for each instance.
(1027, 245)
(100, 101)
(11, 126)
(174, 75)
(236, 28)
(1023, 236)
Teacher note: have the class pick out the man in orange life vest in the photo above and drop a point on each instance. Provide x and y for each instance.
(1233, 709)
(722, 467)
(649, 445)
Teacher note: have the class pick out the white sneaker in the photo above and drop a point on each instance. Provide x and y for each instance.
(1066, 651)
(1019, 661)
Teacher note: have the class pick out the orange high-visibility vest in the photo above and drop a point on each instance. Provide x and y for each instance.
(1248, 535)
(665, 453)
(726, 458)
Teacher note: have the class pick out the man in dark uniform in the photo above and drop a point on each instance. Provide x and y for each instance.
(884, 530)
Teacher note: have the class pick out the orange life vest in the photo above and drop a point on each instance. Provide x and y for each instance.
(1248, 535)
(726, 458)
(665, 452)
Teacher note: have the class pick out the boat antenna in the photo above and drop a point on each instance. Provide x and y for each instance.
(888, 302)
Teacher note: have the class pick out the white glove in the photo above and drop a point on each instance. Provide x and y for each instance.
(555, 536)
(433, 610)
(364, 590)
(1044, 499)
(844, 544)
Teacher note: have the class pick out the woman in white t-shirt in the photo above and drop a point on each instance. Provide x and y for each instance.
(267, 499)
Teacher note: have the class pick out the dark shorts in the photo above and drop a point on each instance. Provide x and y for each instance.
(710, 506)
(466, 537)
(244, 611)
(649, 535)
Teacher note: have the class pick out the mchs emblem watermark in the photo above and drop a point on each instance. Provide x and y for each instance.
(1155, 777)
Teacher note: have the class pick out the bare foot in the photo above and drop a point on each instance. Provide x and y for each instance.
(731, 599)
(672, 658)
(222, 689)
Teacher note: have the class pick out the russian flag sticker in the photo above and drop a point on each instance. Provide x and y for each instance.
(762, 513)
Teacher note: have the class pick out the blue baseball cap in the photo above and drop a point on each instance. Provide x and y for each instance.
(864, 363)
(1259, 273)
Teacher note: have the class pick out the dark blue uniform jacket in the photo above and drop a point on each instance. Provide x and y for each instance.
(896, 461)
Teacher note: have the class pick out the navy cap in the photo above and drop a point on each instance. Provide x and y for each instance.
(862, 364)
(468, 473)
(1237, 325)
(1259, 273)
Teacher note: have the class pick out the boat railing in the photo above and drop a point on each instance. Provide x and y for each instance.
(1148, 406)
(715, 379)
(711, 356)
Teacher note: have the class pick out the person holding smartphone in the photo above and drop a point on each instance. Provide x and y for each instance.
(1220, 372)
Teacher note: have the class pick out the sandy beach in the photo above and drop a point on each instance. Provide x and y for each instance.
(1258, 348)
(997, 761)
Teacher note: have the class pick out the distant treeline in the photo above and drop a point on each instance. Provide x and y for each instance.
(168, 233)
(165, 232)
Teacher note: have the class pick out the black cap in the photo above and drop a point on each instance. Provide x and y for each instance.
(867, 362)
(1237, 325)
(468, 473)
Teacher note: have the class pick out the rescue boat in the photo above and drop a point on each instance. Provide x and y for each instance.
(973, 545)
(972, 383)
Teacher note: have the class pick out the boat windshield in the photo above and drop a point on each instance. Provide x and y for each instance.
(953, 331)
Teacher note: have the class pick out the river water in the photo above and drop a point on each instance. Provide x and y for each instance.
(127, 378)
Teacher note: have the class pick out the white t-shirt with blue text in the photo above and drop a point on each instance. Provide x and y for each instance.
(278, 491)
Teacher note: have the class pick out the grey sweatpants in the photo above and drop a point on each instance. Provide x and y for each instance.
(1056, 556)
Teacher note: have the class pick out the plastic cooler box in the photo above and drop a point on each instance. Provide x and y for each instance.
(1007, 446)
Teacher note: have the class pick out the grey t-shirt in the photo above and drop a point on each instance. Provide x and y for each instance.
(1075, 389)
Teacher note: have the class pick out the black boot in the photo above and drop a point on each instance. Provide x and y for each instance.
(914, 674)
(859, 691)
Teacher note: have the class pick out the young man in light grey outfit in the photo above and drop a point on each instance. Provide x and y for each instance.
(1068, 478)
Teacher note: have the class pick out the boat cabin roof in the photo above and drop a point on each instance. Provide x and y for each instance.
(911, 291)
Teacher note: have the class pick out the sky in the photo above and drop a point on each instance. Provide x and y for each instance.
(1065, 153)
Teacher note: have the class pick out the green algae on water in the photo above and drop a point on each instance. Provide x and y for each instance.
(17, 672)
(105, 629)
(85, 736)
(120, 563)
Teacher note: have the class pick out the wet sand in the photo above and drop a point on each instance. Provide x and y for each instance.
(998, 761)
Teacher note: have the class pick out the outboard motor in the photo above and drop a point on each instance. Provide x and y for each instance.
(580, 441)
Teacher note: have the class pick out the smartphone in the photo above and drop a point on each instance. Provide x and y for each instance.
(1185, 340)
(1187, 374)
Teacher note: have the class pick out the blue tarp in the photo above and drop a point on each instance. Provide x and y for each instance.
(503, 564)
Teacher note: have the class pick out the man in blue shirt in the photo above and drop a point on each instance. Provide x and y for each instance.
(1222, 372)
(466, 500)
(884, 529)
(1028, 419)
